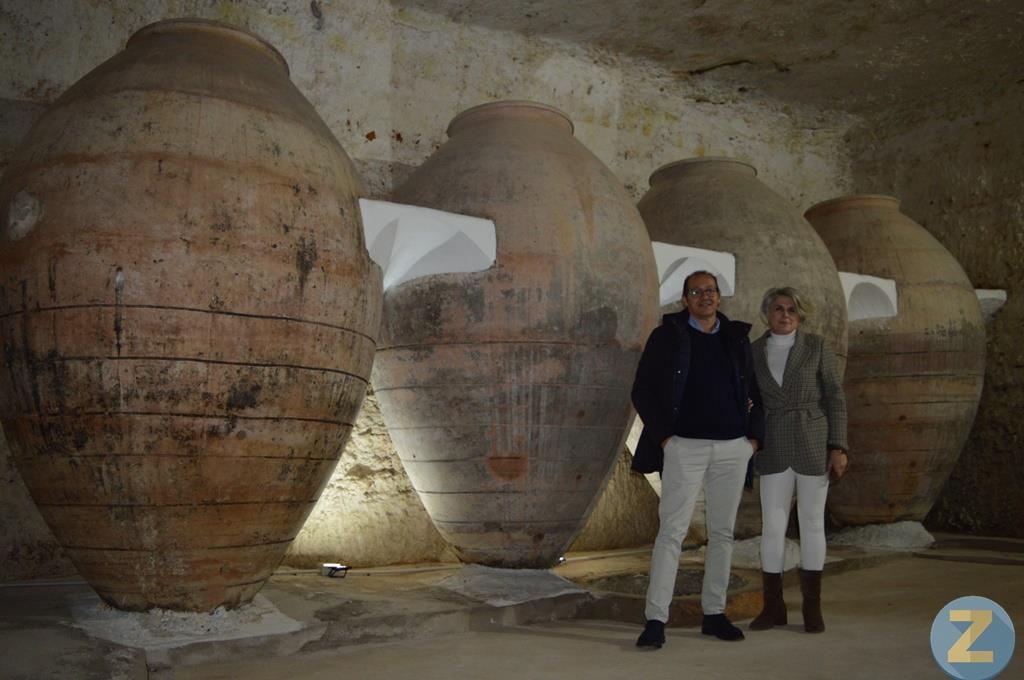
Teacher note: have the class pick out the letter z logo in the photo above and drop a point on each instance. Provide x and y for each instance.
(980, 650)
(961, 651)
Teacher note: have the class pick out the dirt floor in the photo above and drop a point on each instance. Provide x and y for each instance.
(410, 623)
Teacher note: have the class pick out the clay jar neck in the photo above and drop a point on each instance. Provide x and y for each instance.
(215, 30)
(876, 202)
(691, 167)
(505, 111)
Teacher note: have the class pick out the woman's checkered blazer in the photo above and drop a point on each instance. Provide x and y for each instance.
(806, 416)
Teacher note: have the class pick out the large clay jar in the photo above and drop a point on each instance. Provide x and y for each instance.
(913, 381)
(719, 204)
(188, 315)
(507, 391)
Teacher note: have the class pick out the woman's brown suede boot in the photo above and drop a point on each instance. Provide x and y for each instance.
(810, 587)
(774, 611)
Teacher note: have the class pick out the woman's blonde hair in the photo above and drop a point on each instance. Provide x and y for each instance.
(803, 308)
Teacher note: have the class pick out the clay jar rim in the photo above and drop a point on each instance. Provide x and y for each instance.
(851, 201)
(227, 30)
(482, 112)
(689, 165)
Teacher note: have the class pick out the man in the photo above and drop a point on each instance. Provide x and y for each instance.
(696, 394)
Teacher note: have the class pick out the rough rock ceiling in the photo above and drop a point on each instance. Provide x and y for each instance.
(852, 55)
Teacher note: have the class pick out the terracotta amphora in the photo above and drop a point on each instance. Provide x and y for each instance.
(506, 391)
(913, 381)
(188, 315)
(719, 204)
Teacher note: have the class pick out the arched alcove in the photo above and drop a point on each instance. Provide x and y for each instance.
(869, 297)
(409, 242)
(675, 263)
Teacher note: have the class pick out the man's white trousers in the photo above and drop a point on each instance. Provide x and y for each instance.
(721, 466)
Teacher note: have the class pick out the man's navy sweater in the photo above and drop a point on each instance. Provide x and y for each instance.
(708, 409)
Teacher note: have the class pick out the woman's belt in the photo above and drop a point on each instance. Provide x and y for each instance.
(805, 406)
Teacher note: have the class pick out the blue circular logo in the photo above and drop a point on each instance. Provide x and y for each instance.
(972, 638)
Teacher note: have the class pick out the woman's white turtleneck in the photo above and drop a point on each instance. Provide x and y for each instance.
(777, 351)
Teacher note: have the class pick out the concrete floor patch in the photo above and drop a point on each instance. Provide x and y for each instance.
(163, 629)
(504, 587)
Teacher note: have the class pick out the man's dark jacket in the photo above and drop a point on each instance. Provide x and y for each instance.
(661, 381)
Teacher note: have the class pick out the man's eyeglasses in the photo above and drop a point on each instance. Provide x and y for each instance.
(701, 292)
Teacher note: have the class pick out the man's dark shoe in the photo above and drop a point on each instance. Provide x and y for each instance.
(653, 636)
(720, 626)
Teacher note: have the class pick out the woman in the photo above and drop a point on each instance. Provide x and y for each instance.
(805, 444)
